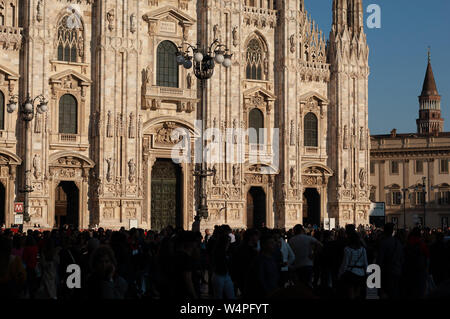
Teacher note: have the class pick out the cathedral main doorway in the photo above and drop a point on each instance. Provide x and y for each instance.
(256, 208)
(67, 204)
(166, 195)
(2, 204)
(311, 207)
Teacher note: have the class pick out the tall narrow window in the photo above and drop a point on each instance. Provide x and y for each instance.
(419, 167)
(256, 121)
(444, 166)
(372, 168)
(70, 41)
(255, 61)
(2, 111)
(311, 127)
(394, 167)
(68, 114)
(167, 67)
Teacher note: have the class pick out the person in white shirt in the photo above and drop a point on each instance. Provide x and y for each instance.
(288, 258)
(304, 248)
(353, 268)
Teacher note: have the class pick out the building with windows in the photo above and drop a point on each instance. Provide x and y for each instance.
(410, 172)
(102, 154)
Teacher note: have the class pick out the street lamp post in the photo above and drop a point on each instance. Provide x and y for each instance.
(27, 115)
(203, 60)
(404, 207)
(424, 192)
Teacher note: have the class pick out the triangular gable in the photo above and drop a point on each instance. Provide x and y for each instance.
(268, 95)
(58, 77)
(169, 11)
(307, 96)
(10, 74)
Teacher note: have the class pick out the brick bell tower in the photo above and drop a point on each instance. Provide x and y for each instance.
(430, 121)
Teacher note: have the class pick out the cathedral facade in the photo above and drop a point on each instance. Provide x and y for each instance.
(102, 155)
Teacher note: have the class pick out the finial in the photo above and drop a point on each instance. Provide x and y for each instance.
(429, 54)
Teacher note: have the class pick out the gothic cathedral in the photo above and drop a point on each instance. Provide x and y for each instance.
(102, 154)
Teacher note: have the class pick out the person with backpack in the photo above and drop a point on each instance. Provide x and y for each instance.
(353, 268)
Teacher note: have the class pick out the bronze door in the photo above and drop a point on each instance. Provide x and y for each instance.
(166, 204)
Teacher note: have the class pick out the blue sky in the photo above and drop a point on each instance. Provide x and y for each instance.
(398, 58)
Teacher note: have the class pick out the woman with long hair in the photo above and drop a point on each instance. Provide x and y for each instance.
(353, 268)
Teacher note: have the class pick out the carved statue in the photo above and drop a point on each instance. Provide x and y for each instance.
(110, 16)
(109, 128)
(189, 81)
(292, 43)
(109, 168)
(148, 75)
(235, 36)
(292, 133)
(293, 173)
(133, 23)
(39, 10)
(216, 175)
(236, 172)
(215, 31)
(345, 178)
(132, 127)
(37, 166)
(235, 135)
(131, 170)
(345, 137)
(362, 178)
(38, 123)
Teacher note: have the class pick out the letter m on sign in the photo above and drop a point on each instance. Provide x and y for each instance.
(18, 207)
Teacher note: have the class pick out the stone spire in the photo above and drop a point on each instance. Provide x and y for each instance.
(348, 15)
(429, 121)
(339, 15)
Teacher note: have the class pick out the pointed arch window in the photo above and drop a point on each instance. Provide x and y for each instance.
(2, 111)
(255, 56)
(256, 121)
(311, 126)
(70, 40)
(166, 65)
(68, 114)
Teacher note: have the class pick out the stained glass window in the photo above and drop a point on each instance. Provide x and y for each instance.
(68, 114)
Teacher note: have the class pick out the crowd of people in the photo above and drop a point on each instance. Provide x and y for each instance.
(303, 262)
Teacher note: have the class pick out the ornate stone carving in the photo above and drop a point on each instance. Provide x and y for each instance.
(110, 16)
(38, 123)
(109, 126)
(189, 80)
(108, 212)
(39, 10)
(133, 25)
(293, 176)
(148, 75)
(362, 178)
(109, 168)
(345, 142)
(235, 36)
(292, 43)
(132, 126)
(37, 166)
(168, 134)
(216, 175)
(345, 178)
(236, 173)
(292, 133)
(131, 170)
